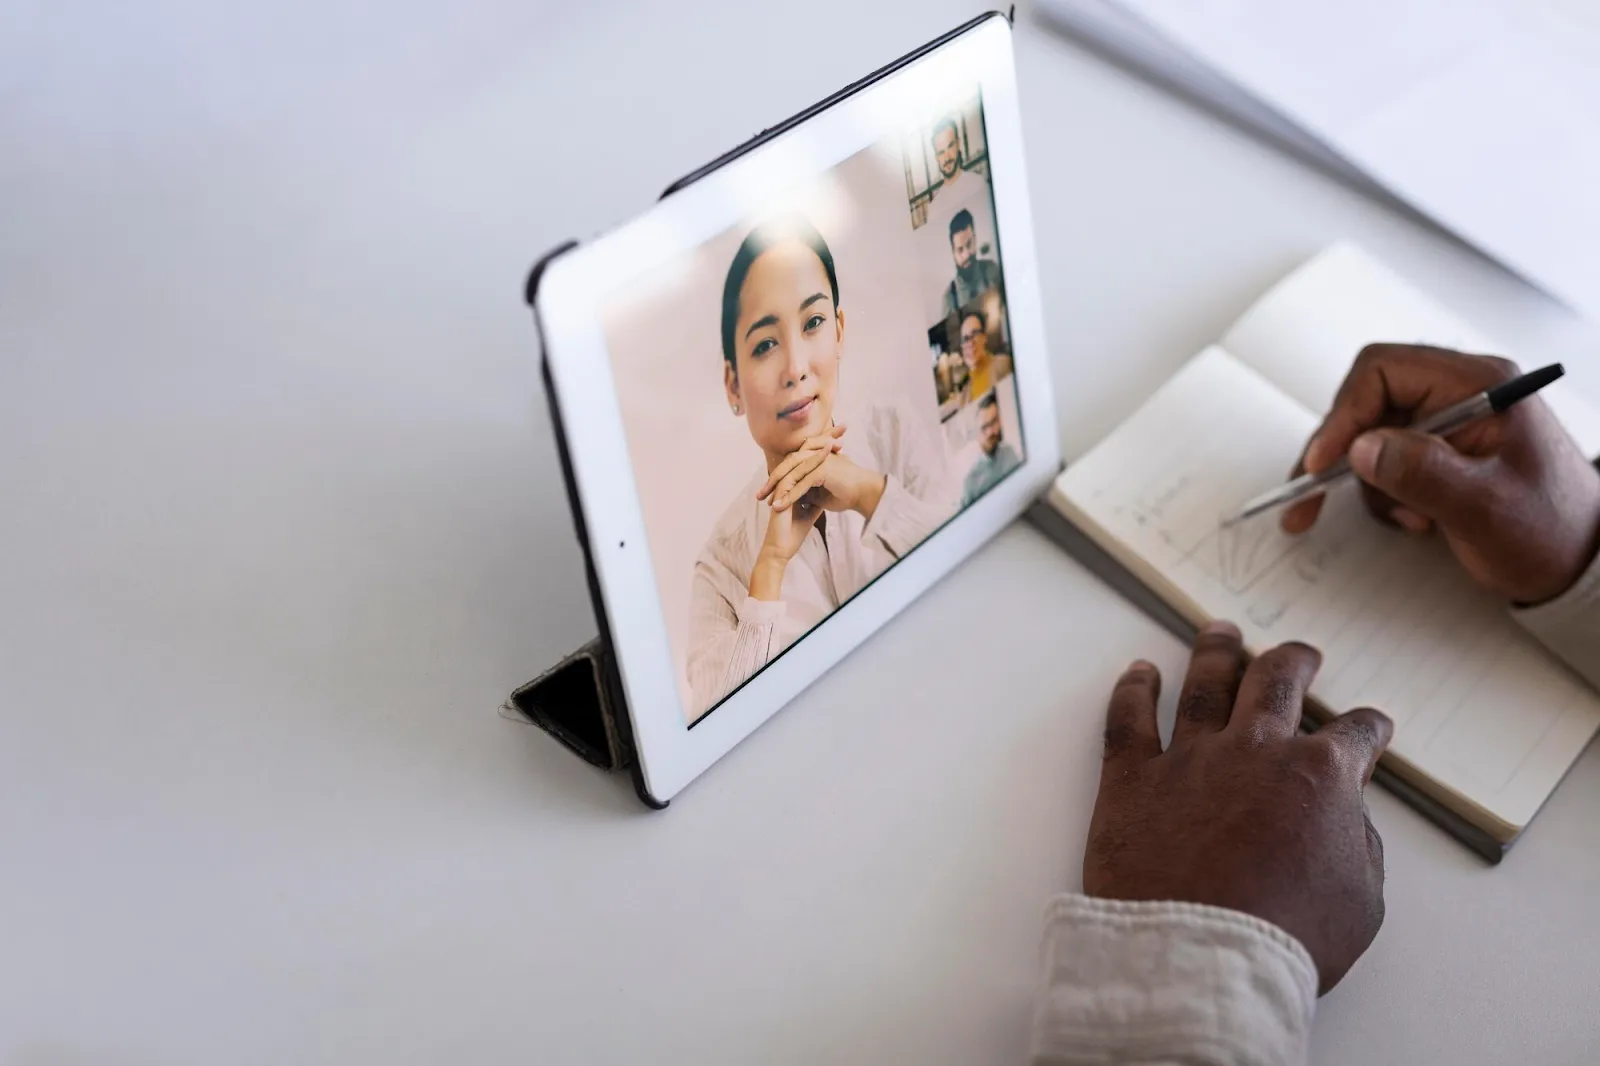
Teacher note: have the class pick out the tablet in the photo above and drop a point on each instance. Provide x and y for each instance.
(799, 390)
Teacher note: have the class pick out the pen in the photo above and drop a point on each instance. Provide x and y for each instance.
(1479, 405)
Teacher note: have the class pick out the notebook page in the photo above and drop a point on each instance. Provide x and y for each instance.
(1303, 334)
(1478, 706)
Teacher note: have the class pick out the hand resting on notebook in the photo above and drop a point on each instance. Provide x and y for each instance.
(1513, 496)
(1228, 880)
(1233, 877)
(1243, 810)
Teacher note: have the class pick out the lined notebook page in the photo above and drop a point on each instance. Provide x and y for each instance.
(1478, 706)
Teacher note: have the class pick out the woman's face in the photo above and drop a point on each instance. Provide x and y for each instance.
(787, 345)
(974, 342)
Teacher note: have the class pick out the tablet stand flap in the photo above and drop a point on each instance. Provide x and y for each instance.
(574, 702)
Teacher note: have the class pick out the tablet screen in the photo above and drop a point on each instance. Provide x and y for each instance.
(811, 394)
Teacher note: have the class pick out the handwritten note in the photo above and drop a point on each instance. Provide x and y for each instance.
(1477, 704)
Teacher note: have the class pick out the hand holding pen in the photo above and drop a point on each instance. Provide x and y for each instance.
(1511, 493)
(1482, 404)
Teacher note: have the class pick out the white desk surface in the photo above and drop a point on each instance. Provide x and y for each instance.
(282, 527)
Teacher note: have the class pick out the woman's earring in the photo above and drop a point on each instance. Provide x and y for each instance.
(736, 409)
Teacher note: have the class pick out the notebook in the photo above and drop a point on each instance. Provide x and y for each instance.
(1487, 722)
(1482, 115)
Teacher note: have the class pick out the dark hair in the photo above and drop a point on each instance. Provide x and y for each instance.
(759, 240)
(961, 220)
(946, 123)
(989, 400)
(977, 313)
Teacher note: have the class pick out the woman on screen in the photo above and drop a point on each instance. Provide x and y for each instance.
(831, 505)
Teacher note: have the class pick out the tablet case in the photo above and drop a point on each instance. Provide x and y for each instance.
(580, 700)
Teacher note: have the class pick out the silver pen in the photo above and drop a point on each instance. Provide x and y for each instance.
(1474, 407)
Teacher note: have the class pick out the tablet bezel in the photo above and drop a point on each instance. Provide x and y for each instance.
(569, 302)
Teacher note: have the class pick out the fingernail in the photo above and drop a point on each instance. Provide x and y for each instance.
(1219, 628)
(1140, 666)
(1382, 725)
(1364, 454)
(1301, 516)
(1410, 519)
(1312, 650)
(1313, 457)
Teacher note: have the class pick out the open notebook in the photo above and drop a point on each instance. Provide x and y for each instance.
(1487, 722)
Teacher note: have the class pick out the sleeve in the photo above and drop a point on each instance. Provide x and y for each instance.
(919, 494)
(1012, 460)
(993, 278)
(971, 488)
(1170, 984)
(1570, 625)
(728, 642)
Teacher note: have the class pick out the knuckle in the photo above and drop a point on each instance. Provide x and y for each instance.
(1320, 756)
(1119, 736)
(1200, 706)
(1132, 684)
(1301, 651)
(1274, 659)
(1216, 646)
(1358, 731)
(1280, 691)
(1289, 660)
(1256, 736)
(1370, 359)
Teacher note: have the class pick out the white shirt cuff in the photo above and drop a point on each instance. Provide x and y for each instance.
(883, 516)
(1160, 982)
(902, 521)
(754, 612)
(1569, 625)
